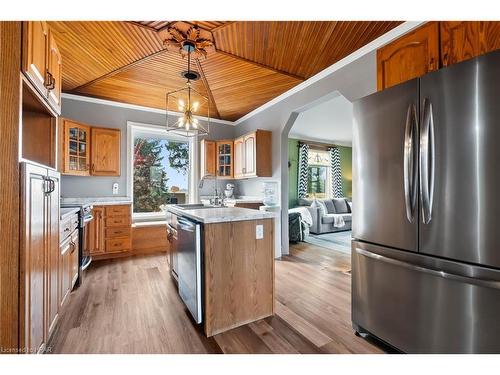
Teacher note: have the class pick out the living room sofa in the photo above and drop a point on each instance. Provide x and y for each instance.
(323, 212)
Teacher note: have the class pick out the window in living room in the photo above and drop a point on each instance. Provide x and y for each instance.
(318, 180)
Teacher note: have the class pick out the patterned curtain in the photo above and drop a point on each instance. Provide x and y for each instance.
(336, 172)
(303, 170)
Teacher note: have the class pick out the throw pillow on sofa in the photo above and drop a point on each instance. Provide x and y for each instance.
(322, 208)
(340, 205)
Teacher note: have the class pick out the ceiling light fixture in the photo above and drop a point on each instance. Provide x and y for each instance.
(189, 105)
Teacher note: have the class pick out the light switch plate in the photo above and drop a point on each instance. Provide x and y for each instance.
(259, 232)
(115, 188)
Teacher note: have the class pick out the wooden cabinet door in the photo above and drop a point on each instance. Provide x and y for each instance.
(489, 36)
(250, 149)
(53, 259)
(65, 264)
(207, 157)
(76, 149)
(33, 258)
(410, 56)
(459, 41)
(238, 158)
(54, 67)
(105, 153)
(96, 232)
(463, 40)
(225, 157)
(73, 260)
(35, 42)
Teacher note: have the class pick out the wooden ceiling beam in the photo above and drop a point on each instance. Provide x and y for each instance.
(120, 69)
(138, 24)
(291, 75)
(207, 87)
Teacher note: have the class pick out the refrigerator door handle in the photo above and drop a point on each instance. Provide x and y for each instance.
(410, 158)
(446, 275)
(427, 154)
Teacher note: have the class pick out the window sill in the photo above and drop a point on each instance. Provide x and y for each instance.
(148, 217)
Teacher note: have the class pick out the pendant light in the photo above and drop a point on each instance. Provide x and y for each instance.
(188, 111)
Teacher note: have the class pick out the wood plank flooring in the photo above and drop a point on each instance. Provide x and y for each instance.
(131, 305)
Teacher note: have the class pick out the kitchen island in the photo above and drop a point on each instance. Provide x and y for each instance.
(235, 282)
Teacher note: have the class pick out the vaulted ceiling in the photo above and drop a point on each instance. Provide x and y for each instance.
(252, 62)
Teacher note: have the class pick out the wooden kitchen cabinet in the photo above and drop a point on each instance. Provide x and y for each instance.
(433, 46)
(53, 258)
(463, 40)
(55, 70)
(238, 157)
(35, 49)
(208, 163)
(224, 159)
(42, 62)
(408, 57)
(65, 260)
(87, 150)
(39, 256)
(96, 232)
(75, 150)
(105, 152)
(253, 155)
(110, 232)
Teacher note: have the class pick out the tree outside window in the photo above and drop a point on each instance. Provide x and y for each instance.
(160, 172)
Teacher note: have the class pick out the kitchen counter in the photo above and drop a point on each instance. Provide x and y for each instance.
(221, 214)
(238, 256)
(65, 212)
(98, 201)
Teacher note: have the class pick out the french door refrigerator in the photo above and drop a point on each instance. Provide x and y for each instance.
(426, 218)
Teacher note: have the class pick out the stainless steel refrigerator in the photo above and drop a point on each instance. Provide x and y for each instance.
(426, 211)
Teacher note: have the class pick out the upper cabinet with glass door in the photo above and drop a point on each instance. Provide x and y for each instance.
(225, 159)
(76, 149)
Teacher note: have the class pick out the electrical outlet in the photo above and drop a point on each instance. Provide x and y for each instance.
(259, 232)
(115, 188)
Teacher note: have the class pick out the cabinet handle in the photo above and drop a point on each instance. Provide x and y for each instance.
(93, 167)
(73, 247)
(50, 82)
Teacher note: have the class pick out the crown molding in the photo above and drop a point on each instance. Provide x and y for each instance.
(366, 49)
(136, 107)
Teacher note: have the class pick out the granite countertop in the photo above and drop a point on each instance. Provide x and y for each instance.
(65, 212)
(221, 214)
(98, 201)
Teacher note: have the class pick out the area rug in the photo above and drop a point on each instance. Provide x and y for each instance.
(340, 241)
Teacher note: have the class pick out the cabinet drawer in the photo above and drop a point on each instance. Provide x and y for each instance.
(117, 232)
(74, 222)
(118, 244)
(118, 221)
(118, 210)
(65, 230)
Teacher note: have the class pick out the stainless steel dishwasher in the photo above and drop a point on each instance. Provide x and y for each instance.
(189, 258)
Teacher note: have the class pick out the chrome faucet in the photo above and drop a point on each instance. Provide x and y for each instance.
(216, 199)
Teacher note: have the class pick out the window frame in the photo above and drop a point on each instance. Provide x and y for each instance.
(132, 129)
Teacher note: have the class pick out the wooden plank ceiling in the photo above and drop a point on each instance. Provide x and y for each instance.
(253, 62)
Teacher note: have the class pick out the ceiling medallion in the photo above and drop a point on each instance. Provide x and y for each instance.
(188, 42)
(191, 105)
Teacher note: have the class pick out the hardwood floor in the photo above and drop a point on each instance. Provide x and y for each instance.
(131, 306)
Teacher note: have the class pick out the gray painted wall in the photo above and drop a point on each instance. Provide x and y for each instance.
(109, 116)
(353, 81)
